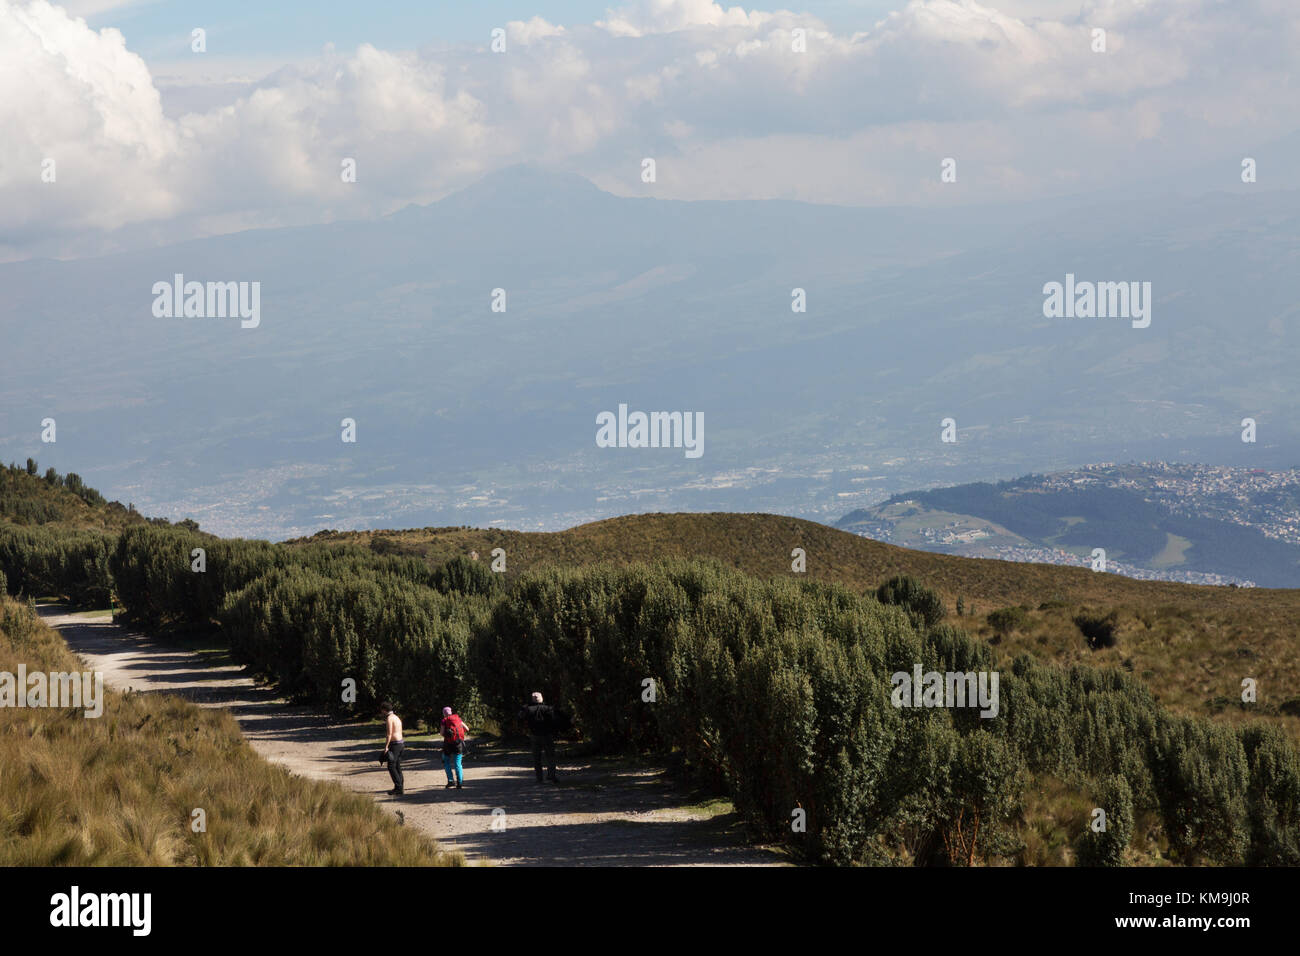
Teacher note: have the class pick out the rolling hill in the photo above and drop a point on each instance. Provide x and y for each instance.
(29, 498)
(1237, 525)
(1192, 644)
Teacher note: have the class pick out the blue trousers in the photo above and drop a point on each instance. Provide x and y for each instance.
(450, 760)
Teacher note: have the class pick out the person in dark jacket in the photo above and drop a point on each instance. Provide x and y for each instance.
(543, 721)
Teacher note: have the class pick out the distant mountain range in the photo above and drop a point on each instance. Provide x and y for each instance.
(469, 416)
(1190, 523)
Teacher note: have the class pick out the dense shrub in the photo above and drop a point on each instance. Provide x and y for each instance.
(466, 576)
(154, 571)
(394, 639)
(778, 691)
(1273, 798)
(1008, 619)
(1106, 847)
(1201, 776)
(909, 593)
(73, 565)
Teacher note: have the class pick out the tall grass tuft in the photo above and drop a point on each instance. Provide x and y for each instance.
(121, 789)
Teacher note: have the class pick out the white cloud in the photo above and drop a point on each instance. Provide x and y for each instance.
(715, 93)
(666, 16)
(81, 99)
(520, 31)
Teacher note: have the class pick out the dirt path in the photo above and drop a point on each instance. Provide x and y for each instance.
(601, 814)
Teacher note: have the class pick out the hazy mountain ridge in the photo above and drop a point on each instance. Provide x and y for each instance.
(466, 415)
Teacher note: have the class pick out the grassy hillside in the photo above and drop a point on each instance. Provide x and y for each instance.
(120, 789)
(1192, 645)
(61, 501)
(760, 544)
(56, 533)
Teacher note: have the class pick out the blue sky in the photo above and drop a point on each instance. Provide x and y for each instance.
(258, 28)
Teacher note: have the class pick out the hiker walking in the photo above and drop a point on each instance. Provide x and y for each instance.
(393, 747)
(453, 747)
(543, 721)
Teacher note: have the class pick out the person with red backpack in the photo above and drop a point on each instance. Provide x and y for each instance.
(453, 747)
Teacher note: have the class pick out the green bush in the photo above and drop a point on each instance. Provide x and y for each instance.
(777, 691)
(909, 593)
(392, 638)
(1106, 847)
(74, 565)
(1008, 619)
(1201, 777)
(1273, 798)
(465, 576)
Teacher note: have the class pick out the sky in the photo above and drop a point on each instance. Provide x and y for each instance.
(160, 31)
(114, 130)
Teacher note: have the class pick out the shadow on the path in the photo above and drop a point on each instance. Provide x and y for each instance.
(653, 826)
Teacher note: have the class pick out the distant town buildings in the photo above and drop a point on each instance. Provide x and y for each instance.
(1268, 501)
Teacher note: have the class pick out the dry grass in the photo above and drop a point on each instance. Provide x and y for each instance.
(120, 790)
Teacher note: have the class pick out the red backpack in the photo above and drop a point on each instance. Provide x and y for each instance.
(453, 729)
